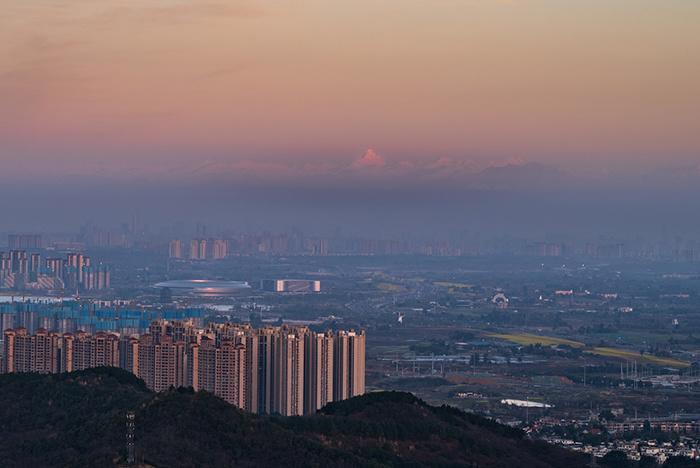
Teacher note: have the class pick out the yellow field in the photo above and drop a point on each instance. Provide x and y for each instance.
(528, 339)
(390, 287)
(632, 356)
(447, 284)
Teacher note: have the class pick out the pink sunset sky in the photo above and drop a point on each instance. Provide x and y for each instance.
(291, 88)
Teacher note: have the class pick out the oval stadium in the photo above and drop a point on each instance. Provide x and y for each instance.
(201, 287)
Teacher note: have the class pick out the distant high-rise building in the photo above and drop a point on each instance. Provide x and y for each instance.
(24, 241)
(19, 262)
(34, 263)
(19, 271)
(75, 263)
(54, 266)
(198, 249)
(291, 285)
(7, 321)
(175, 249)
(219, 249)
(317, 247)
(28, 319)
(5, 263)
(95, 278)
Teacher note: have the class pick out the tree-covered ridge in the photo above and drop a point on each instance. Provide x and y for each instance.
(78, 419)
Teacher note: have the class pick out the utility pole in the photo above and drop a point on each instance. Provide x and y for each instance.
(130, 447)
(527, 410)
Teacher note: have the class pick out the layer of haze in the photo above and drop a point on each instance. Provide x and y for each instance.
(417, 111)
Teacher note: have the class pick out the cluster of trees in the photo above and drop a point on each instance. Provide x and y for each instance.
(79, 419)
(618, 459)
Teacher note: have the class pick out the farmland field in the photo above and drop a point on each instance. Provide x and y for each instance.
(526, 339)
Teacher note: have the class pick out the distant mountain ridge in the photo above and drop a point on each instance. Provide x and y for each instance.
(78, 419)
(373, 171)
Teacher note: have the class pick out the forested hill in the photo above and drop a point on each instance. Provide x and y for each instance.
(78, 419)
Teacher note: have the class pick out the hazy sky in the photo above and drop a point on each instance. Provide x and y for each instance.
(282, 89)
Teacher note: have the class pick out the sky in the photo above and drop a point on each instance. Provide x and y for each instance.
(299, 90)
(384, 116)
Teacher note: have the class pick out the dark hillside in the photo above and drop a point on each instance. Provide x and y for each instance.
(78, 419)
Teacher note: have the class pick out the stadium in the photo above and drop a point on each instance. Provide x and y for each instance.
(201, 287)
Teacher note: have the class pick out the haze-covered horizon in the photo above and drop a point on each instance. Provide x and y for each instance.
(426, 212)
(399, 116)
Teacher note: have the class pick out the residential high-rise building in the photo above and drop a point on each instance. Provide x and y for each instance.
(18, 271)
(288, 397)
(175, 249)
(206, 359)
(219, 249)
(266, 369)
(75, 262)
(29, 320)
(17, 352)
(5, 263)
(349, 366)
(198, 249)
(274, 370)
(31, 353)
(95, 278)
(82, 351)
(54, 266)
(318, 371)
(19, 261)
(251, 370)
(34, 263)
(7, 321)
(24, 241)
(161, 362)
(129, 355)
(291, 285)
(229, 379)
(248, 337)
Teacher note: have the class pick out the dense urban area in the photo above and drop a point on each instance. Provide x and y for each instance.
(591, 346)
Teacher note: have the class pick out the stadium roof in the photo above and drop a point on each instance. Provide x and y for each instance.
(205, 287)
